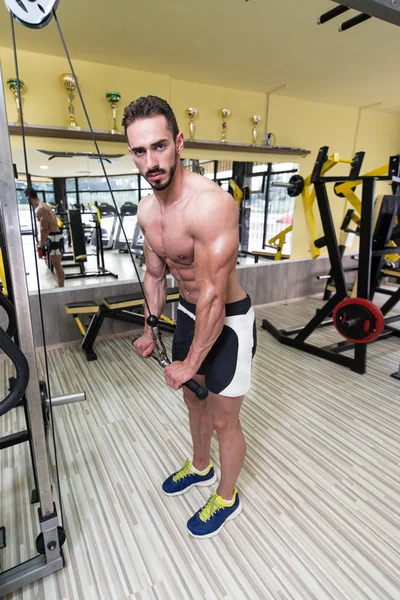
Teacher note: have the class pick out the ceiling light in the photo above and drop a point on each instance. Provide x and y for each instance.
(44, 167)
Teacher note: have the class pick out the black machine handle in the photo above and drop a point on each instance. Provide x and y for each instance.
(200, 391)
(10, 310)
(192, 385)
(22, 372)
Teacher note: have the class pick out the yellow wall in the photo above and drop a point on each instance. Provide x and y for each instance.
(46, 100)
(319, 125)
(208, 99)
(294, 122)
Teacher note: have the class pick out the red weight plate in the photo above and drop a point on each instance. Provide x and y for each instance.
(366, 326)
(375, 313)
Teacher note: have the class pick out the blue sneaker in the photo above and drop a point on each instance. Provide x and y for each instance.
(184, 479)
(210, 519)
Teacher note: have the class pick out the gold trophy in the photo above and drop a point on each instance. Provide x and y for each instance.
(13, 86)
(69, 83)
(114, 98)
(255, 122)
(192, 113)
(225, 113)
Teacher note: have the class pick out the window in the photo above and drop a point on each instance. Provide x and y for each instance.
(269, 210)
(89, 190)
(280, 208)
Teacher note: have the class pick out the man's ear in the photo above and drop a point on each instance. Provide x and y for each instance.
(180, 142)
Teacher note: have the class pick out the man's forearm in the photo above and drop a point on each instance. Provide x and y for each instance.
(44, 234)
(210, 316)
(156, 295)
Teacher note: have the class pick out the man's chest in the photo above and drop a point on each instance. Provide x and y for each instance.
(169, 237)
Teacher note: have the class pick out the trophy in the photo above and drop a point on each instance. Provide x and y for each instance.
(225, 112)
(114, 98)
(191, 112)
(70, 85)
(255, 122)
(13, 86)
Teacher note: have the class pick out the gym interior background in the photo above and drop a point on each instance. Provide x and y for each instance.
(321, 479)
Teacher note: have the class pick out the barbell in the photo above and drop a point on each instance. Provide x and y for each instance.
(294, 187)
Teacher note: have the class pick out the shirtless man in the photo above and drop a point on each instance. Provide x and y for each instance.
(49, 232)
(190, 229)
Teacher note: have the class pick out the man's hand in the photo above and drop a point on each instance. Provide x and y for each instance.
(178, 373)
(145, 345)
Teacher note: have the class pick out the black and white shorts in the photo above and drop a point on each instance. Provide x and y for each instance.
(227, 367)
(55, 243)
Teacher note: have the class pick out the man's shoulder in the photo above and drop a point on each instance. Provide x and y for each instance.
(44, 207)
(144, 207)
(145, 202)
(212, 209)
(41, 210)
(209, 196)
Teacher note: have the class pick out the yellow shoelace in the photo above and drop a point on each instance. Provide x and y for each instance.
(214, 504)
(183, 472)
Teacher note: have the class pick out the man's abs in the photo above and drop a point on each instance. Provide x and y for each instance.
(190, 290)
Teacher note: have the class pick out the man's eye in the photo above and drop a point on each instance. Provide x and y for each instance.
(138, 152)
(160, 146)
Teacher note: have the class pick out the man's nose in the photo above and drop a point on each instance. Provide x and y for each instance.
(151, 161)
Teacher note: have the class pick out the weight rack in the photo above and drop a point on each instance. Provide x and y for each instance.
(372, 250)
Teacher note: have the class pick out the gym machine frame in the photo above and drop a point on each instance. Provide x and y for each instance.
(296, 338)
(74, 222)
(52, 560)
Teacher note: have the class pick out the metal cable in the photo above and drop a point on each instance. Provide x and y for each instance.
(101, 159)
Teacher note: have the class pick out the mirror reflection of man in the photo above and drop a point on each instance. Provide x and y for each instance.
(50, 233)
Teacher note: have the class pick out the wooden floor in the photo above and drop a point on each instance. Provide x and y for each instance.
(118, 263)
(320, 486)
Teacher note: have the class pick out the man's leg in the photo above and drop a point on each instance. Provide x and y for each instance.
(59, 271)
(232, 446)
(200, 426)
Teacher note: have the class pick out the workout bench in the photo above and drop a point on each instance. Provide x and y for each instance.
(114, 307)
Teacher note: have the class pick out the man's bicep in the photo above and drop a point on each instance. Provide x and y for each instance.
(155, 265)
(215, 258)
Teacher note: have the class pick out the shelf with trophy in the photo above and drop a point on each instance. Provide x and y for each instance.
(73, 131)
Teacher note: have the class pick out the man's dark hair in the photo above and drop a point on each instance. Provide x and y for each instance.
(147, 107)
(31, 193)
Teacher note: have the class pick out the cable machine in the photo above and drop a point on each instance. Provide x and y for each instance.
(27, 385)
(17, 342)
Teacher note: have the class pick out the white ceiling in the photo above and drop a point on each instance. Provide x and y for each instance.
(257, 45)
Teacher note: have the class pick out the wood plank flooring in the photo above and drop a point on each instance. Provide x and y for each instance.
(320, 486)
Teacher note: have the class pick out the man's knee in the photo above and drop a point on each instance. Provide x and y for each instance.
(191, 400)
(223, 423)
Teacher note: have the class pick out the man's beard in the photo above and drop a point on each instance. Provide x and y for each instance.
(159, 186)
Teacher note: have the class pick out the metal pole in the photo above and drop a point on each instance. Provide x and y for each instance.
(9, 209)
(80, 397)
(267, 184)
(366, 235)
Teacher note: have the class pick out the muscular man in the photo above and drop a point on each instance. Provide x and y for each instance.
(49, 232)
(190, 229)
